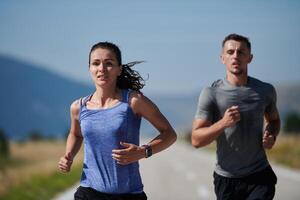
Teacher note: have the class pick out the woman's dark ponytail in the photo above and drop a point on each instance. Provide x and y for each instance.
(129, 78)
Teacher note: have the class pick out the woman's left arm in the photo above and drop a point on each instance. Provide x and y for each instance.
(144, 107)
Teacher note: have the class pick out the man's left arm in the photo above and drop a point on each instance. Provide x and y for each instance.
(272, 129)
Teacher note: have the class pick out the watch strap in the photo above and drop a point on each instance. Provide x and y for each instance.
(148, 150)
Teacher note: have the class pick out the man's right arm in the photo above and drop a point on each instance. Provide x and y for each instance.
(204, 132)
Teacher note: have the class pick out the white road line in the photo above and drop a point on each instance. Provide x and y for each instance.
(203, 192)
(68, 194)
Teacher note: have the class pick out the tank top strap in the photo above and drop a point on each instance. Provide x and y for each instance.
(83, 100)
(80, 101)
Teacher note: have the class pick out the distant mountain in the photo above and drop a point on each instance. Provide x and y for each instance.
(178, 109)
(33, 99)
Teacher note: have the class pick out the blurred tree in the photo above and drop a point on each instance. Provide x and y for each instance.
(35, 135)
(187, 134)
(292, 123)
(4, 145)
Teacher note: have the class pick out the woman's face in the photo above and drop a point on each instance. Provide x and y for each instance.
(104, 67)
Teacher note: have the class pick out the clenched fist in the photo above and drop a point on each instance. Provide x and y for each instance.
(65, 163)
(231, 116)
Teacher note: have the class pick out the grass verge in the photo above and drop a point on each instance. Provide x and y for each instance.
(43, 186)
(286, 151)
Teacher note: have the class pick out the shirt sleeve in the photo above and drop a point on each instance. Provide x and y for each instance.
(205, 105)
(272, 99)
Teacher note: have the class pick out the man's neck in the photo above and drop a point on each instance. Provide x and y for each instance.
(237, 80)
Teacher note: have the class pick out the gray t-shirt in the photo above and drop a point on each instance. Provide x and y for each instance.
(239, 148)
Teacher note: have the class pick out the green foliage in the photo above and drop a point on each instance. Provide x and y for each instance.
(187, 135)
(286, 151)
(35, 135)
(4, 145)
(292, 123)
(43, 187)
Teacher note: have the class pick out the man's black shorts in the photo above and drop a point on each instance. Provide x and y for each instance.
(260, 185)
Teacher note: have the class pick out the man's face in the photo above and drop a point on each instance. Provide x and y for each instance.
(236, 56)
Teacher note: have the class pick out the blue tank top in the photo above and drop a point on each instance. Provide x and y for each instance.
(103, 130)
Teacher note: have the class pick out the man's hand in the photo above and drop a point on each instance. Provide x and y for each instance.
(268, 140)
(231, 116)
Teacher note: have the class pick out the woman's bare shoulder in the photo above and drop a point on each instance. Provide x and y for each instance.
(75, 106)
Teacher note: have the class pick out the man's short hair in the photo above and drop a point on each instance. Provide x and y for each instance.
(236, 37)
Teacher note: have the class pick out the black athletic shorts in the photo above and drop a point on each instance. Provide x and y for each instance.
(260, 185)
(86, 193)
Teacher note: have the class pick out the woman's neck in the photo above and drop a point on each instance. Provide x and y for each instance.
(104, 96)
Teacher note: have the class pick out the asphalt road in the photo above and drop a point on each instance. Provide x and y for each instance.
(183, 172)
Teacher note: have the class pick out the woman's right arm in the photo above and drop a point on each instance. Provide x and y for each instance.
(74, 139)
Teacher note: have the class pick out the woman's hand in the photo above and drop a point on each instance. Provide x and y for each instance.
(65, 163)
(130, 154)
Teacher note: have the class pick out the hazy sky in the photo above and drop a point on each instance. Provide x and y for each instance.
(180, 40)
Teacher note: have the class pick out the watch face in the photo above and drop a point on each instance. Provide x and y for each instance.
(148, 151)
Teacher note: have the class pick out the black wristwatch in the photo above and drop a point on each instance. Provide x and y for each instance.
(148, 150)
